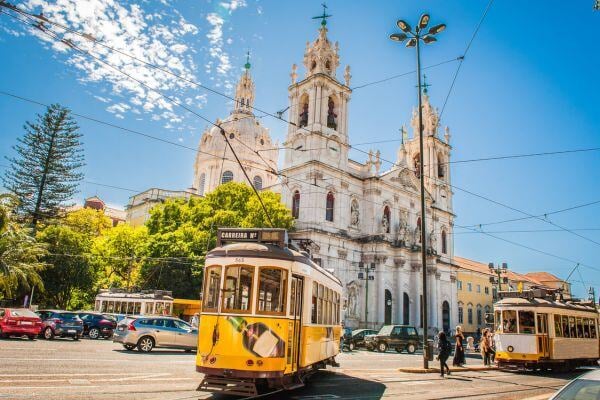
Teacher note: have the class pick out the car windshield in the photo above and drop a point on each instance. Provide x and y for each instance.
(386, 330)
(580, 389)
(23, 313)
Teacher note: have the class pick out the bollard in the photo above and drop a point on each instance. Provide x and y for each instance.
(430, 349)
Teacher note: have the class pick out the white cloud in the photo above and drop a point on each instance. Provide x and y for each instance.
(154, 38)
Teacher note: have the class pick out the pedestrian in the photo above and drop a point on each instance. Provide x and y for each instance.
(195, 320)
(459, 351)
(444, 350)
(484, 346)
(491, 347)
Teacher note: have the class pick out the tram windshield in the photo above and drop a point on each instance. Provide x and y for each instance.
(237, 291)
(526, 322)
(509, 321)
(272, 283)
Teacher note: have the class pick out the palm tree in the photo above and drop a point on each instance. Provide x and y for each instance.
(19, 253)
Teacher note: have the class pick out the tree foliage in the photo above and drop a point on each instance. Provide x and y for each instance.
(20, 254)
(45, 173)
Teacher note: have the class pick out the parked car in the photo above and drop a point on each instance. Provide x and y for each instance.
(96, 325)
(398, 337)
(60, 323)
(19, 322)
(146, 333)
(586, 386)
(357, 337)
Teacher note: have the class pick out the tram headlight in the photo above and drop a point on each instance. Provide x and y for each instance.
(250, 363)
(510, 349)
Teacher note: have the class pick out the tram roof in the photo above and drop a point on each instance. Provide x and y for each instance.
(264, 250)
(539, 302)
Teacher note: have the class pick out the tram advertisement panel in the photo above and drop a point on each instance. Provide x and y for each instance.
(255, 337)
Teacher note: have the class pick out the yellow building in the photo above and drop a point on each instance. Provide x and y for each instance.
(475, 294)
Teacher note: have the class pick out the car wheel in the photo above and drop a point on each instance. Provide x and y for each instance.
(411, 348)
(382, 347)
(145, 344)
(94, 333)
(351, 346)
(48, 334)
(129, 346)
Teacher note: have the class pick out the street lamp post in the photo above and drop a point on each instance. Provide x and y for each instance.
(364, 275)
(414, 39)
(498, 279)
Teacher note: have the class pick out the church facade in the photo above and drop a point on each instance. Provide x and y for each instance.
(356, 218)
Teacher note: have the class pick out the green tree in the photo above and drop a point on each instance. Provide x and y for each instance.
(45, 173)
(181, 232)
(118, 255)
(20, 254)
(69, 276)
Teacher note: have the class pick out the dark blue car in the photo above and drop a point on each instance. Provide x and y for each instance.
(60, 323)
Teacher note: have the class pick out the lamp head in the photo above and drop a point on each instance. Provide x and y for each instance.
(403, 25)
(423, 21)
(429, 39)
(434, 30)
(411, 43)
(398, 37)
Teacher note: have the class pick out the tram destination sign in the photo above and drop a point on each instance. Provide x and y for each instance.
(233, 235)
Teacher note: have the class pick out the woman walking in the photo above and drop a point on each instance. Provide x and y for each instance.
(484, 346)
(459, 351)
(444, 350)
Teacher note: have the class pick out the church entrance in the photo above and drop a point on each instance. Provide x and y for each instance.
(405, 309)
(388, 307)
(446, 316)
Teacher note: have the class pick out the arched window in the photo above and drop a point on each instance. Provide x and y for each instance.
(227, 177)
(441, 166)
(446, 316)
(444, 243)
(386, 219)
(470, 314)
(479, 315)
(201, 184)
(461, 313)
(296, 204)
(303, 112)
(417, 165)
(331, 113)
(354, 213)
(257, 182)
(329, 207)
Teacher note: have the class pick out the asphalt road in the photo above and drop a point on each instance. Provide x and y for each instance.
(100, 369)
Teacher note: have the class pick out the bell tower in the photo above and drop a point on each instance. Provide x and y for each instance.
(244, 91)
(318, 110)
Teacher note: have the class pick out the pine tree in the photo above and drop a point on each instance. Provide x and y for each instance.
(45, 173)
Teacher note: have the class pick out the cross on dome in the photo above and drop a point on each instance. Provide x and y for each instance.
(321, 56)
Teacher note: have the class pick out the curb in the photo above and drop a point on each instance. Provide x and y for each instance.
(413, 370)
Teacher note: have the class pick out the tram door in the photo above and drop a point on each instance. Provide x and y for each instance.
(295, 331)
(542, 335)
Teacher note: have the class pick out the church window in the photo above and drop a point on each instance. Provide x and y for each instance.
(303, 116)
(441, 167)
(444, 243)
(296, 205)
(313, 65)
(232, 135)
(331, 114)
(262, 142)
(227, 177)
(328, 65)
(329, 207)
(201, 184)
(417, 165)
(258, 182)
(386, 219)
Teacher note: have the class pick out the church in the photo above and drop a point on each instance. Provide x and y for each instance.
(354, 218)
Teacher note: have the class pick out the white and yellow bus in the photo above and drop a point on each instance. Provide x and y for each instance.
(270, 316)
(536, 330)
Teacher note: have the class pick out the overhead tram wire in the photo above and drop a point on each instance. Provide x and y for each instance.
(75, 47)
(462, 58)
(71, 44)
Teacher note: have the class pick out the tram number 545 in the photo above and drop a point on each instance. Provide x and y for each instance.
(239, 259)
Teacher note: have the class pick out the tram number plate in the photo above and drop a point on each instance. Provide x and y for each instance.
(239, 259)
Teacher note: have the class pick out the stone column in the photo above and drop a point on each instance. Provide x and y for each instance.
(379, 295)
(319, 104)
(311, 106)
(399, 294)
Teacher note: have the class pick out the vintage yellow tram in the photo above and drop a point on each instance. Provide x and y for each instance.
(270, 316)
(535, 329)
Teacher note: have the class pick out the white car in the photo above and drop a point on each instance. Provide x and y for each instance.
(584, 387)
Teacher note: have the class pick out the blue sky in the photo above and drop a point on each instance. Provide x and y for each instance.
(528, 84)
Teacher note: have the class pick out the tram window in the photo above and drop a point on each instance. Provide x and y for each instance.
(211, 289)
(498, 321)
(593, 328)
(572, 327)
(542, 323)
(579, 325)
(272, 285)
(586, 328)
(237, 290)
(557, 326)
(293, 298)
(565, 327)
(313, 311)
(320, 305)
(509, 321)
(526, 322)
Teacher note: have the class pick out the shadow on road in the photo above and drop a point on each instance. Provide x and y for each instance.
(156, 352)
(326, 385)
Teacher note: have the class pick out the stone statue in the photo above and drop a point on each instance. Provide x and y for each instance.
(347, 75)
(433, 240)
(377, 162)
(354, 213)
(385, 224)
(403, 226)
(304, 115)
(352, 300)
(331, 115)
(294, 74)
(417, 237)
(447, 135)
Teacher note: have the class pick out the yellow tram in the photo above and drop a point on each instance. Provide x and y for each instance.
(535, 329)
(270, 316)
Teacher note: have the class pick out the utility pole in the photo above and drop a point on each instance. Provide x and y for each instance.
(366, 276)
(414, 40)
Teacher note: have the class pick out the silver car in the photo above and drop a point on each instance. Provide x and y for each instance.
(147, 332)
(586, 386)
